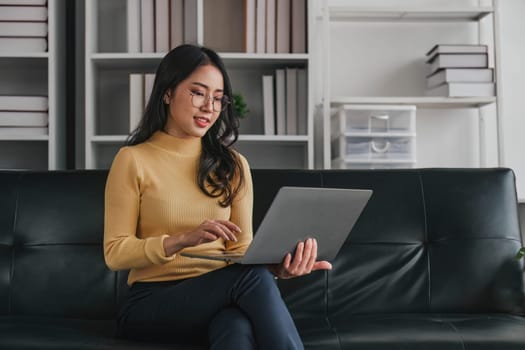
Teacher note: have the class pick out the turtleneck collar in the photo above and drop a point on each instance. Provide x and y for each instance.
(188, 147)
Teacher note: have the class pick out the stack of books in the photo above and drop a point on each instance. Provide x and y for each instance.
(160, 25)
(275, 26)
(284, 102)
(23, 26)
(23, 115)
(459, 71)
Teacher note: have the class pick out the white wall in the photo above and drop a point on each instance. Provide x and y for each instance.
(511, 35)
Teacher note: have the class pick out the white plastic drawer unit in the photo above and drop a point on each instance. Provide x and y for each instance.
(373, 136)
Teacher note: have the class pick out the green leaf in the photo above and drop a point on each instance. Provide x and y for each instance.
(521, 253)
(239, 105)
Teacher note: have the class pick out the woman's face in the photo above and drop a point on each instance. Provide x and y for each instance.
(191, 111)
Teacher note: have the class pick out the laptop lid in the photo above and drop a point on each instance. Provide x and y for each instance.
(298, 213)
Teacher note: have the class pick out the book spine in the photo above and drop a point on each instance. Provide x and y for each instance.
(23, 29)
(249, 20)
(280, 99)
(136, 100)
(283, 26)
(24, 2)
(176, 23)
(149, 79)
(23, 13)
(162, 26)
(24, 103)
(270, 26)
(23, 45)
(302, 102)
(23, 119)
(190, 22)
(133, 25)
(260, 40)
(291, 101)
(147, 24)
(298, 34)
(268, 105)
(458, 61)
(23, 131)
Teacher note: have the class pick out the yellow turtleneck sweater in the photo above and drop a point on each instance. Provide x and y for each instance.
(151, 193)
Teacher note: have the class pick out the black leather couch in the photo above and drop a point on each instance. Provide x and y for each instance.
(429, 265)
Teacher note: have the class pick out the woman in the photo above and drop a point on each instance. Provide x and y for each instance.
(179, 185)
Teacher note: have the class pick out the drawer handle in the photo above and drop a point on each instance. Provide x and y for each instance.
(380, 116)
(381, 148)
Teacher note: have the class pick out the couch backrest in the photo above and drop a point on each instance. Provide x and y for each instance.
(51, 258)
(429, 240)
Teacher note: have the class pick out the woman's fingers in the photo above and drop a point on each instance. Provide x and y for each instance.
(322, 265)
(313, 256)
(221, 229)
(305, 259)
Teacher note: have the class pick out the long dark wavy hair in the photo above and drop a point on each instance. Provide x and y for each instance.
(220, 174)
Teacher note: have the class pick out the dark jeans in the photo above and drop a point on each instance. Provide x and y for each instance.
(237, 307)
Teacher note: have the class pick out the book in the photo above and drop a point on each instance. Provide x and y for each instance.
(23, 2)
(23, 131)
(268, 105)
(22, 44)
(162, 25)
(270, 26)
(455, 60)
(190, 22)
(147, 25)
(282, 32)
(133, 25)
(260, 26)
(176, 23)
(249, 23)
(136, 99)
(23, 118)
(291, 101)
(447, 48)
(463, 90)
(298, 31)
(460, 75)
(302, 102)
(23, 29)
(23, 13)
(149, 79)
(280, 101)
(23, 103)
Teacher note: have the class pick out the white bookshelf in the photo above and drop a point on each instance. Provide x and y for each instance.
(388, 68)
(39, 73)
(107, 66)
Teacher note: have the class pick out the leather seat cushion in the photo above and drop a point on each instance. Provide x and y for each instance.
(432, 331)
(21, 332)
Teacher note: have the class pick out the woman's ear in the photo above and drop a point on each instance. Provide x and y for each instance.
(167, 98)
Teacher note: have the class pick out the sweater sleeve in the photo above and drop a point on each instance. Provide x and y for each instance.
(241, 211)
(122, 248)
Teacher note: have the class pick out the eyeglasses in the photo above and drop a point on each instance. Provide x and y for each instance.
(198, 99)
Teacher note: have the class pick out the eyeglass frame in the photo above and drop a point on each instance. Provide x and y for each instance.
(224, 100)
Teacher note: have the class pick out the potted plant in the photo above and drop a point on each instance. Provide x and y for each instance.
(239, 105)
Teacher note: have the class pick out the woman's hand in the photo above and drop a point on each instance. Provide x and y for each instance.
(304, 261)
(208, 231)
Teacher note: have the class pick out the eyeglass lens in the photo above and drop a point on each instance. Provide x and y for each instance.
(219, 104)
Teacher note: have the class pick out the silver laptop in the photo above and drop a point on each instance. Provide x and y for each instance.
(298, 213)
